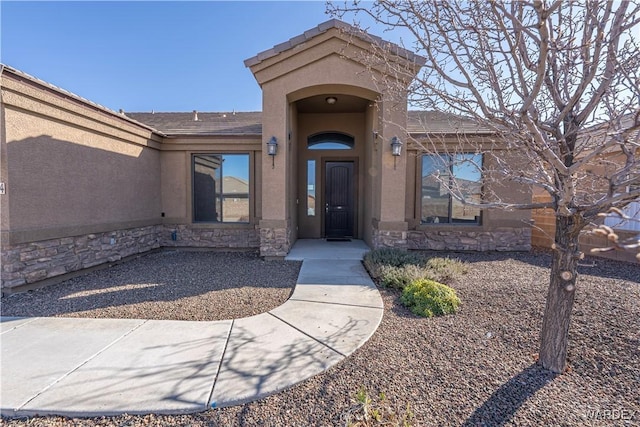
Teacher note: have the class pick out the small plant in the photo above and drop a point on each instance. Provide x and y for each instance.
(445, 270)
(367, 413)
(394, 257)
(400, 277)
(429, 298)
(390, 257)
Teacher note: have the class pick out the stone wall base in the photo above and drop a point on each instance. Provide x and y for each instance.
(27, 263)
(274, 242)
(500, 239)
(194, 236)
(389, 239)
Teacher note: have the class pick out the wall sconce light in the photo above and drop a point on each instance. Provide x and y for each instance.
(272, 150)
(396, 149)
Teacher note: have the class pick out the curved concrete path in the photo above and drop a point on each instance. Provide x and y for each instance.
(90, 367)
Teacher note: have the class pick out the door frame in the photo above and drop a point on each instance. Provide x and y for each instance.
(356, 196)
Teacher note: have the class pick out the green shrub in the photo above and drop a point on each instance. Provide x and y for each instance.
(390, 257)
(428, 298)
(400, 277)
(444, 270)
(393, 257)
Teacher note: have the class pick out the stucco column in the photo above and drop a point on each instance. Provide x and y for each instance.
(391, 227)
(275, 229)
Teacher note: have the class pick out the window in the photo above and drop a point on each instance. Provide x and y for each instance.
(330, 141)
(460, 172)
(311, 188)
(221, 188)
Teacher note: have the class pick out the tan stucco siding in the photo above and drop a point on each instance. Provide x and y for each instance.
(321, 70)
(293, 181)
(175, 177)
(68, 176)
(506, 191)
(4, 172)
(70, 167)
(392, 200)
(500, 229)
(371, 172)
(176, 171)
(275, 170)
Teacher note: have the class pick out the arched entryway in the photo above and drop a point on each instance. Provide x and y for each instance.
(333, 139)
(316, 83)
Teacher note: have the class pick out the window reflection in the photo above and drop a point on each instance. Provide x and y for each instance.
(221, 188)
(460, 172)
(311, 188)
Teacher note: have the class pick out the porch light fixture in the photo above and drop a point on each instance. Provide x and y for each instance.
(396, 149)
(272, 150)
(331, 100)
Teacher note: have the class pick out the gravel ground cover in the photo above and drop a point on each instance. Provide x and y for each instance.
(171, 285)
(476, 368)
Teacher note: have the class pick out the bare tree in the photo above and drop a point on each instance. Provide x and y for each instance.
(613, 237)
(556, 82)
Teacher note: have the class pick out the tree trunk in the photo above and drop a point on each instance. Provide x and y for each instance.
(554, 338)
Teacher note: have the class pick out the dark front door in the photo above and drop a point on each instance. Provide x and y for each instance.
(339, 199)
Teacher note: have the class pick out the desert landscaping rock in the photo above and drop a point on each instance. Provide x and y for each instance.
(170, 285)
(476, 368)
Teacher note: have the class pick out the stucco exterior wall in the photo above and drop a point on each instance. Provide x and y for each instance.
(320, 65)
(70, 168)
(83, 184)
(87, 186)
(176, 172)
(293, 179)
(499, 230)
(179, 228)
(370, 173)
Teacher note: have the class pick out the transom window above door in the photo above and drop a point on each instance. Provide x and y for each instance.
(330, 141)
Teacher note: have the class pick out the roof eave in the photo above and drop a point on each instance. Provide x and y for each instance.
(65, 93)
(342, 26)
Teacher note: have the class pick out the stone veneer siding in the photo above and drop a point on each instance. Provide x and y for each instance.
(26, 263)
(389, 239)
(195, 236)
(274, 242)
(500, 239)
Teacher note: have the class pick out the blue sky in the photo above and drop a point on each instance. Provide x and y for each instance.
(143, 56)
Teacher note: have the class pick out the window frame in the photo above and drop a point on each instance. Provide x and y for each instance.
(344, 141)
(217, 195)
(450, 199)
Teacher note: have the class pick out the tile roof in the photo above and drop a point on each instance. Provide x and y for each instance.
(323, 28)
(436, 122)
(250, 123)
(229, 124)
(233, 185)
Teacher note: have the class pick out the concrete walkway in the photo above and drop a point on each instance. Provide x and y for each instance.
(90, 367)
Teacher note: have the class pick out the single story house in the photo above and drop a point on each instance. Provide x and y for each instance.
(83, 185)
